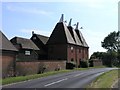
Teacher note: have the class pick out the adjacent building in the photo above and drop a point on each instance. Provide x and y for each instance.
(7, 56)
(27, 50)
(40, 41)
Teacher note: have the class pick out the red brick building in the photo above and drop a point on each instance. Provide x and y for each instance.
(67, 43)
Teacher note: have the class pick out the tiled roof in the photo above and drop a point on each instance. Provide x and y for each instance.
(75, 36)
(5, 44)
(81, 38)
(61, 35)
(25, 43)
(44, 39)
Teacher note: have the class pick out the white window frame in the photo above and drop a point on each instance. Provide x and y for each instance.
(27, 52)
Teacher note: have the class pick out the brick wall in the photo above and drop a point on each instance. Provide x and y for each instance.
(71, 53)
(97, 63)
(86, 53)
(28, 68)
(77, 54)
(8, 63)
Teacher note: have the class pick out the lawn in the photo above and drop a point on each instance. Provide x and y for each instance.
(105, 80)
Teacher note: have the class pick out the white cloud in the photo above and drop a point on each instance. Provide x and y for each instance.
(28, 10)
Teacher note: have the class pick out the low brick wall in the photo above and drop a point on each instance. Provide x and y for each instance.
(7, 66)
(36, 67)
(97, 63)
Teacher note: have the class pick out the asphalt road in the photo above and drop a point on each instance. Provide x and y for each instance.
(75, 79)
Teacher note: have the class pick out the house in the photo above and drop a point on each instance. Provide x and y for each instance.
(7, 56)
(40, 41)
(68, 44)
(27, 50)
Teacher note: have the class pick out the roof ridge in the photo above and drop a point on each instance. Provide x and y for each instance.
(42, 35)
(21, 37)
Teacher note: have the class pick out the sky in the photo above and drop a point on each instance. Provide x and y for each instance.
(97, 17)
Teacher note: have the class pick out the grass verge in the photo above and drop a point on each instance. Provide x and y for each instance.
(35, 76)
(105, 80)
(0, 81)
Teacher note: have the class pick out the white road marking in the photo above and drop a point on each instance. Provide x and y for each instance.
(55, 82)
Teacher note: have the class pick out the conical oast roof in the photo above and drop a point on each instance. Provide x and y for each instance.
(60, 35)
(74, 34)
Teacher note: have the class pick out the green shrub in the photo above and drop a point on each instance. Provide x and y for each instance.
(83, 64)
(91, 63)
(70, 65)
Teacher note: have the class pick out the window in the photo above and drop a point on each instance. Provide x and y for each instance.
(27, 52)
(71, 49)
(72, 59)
(80, 59)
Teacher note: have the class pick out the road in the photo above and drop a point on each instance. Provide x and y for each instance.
(75, 79)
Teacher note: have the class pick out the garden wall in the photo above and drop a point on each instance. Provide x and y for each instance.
(97, 63)
(36, 67)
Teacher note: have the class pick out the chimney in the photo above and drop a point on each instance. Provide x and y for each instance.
(33, 32)
(62, 17)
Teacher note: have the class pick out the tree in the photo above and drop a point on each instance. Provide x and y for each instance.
(111, 42)
(97, 55)
(112, 56)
